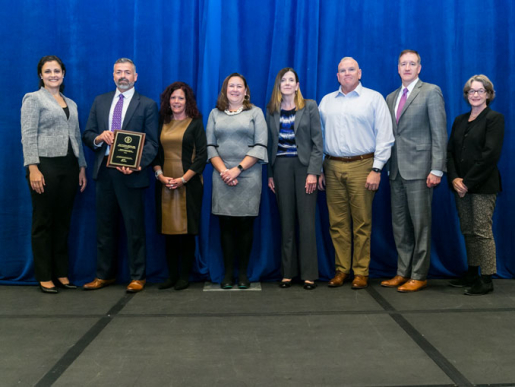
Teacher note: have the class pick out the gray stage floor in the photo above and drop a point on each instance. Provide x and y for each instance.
(271, 337)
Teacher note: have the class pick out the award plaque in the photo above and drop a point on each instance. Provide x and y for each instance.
(126, 149)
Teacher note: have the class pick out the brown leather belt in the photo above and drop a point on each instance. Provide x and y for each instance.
(350, 158)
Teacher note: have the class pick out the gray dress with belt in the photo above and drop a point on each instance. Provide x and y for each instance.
(232, 137)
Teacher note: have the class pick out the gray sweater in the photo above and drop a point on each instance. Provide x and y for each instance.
(45, 130)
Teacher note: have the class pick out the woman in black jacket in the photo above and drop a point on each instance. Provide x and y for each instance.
(473, 152)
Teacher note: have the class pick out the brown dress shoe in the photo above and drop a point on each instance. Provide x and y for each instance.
(98, 283)
(338, 280)
(360, 282)
(412, 286)
(394, 282)
(136, 286)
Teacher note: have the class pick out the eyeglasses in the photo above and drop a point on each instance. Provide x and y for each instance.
(480, 92)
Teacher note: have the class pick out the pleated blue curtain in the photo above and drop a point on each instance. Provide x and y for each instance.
(202, 41)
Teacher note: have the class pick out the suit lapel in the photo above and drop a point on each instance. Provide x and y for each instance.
(277, 116)
(130, 110)
(104, 113)
(391, 106)
(298, 117)
(411, 97)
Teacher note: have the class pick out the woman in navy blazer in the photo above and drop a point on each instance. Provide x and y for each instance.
(473, 152)
(54, 158)
(295, 149)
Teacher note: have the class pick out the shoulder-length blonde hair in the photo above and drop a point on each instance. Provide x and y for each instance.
(222, 103)
(275, 100)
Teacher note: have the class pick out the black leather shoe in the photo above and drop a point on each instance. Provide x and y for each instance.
(52, 290)
(285, 284)
(243, 283)
(227, 284)
(463, 282)
(69, 285)
(167, 284)
(309, 286)
(181, 284)
(480, 288)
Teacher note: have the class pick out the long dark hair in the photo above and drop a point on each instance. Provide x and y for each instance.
(50, 58)
(191, 104)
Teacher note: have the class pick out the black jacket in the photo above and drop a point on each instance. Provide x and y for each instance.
(474, 149)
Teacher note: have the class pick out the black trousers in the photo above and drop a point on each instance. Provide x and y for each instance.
(296, 205)
(51, 214)
(177, 247)
(237, 234)
(115, 198)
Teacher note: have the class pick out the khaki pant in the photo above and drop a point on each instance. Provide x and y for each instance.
(350, 205)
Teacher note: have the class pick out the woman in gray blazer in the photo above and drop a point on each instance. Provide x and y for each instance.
(295, 148)
(54, 159)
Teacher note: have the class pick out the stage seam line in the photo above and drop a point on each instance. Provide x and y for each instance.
(430, 350)
(76, 350)
(268, 314)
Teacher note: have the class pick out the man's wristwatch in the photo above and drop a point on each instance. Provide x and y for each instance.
(376, 170)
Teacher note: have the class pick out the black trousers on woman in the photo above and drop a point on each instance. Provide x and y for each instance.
(295, 204)
(177, 247)
(51, 214)
(237, 234)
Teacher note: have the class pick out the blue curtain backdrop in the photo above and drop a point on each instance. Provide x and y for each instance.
(200, 42)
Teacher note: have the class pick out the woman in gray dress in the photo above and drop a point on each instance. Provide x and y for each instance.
(236, 142)
(54, 158)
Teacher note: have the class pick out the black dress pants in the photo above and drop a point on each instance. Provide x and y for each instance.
(177, 247)
(51, 214)
(114, 197)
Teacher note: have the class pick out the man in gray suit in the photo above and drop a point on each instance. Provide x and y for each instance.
(416, 166)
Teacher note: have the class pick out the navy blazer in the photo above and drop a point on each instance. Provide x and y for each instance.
(141, 116)
(308, 137)
(474, 149)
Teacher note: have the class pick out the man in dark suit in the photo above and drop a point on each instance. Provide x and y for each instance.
(120, 190)
(416, 166)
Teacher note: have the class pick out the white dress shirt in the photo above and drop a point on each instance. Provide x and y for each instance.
(127, 97)
(410, 87)
(356, 124)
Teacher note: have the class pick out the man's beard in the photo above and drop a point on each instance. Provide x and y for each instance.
(124, 86)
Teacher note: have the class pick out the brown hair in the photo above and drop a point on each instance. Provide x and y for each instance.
(223, 103)
(191, 104)
(410, 52)
(275, 100)
(487, 84)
